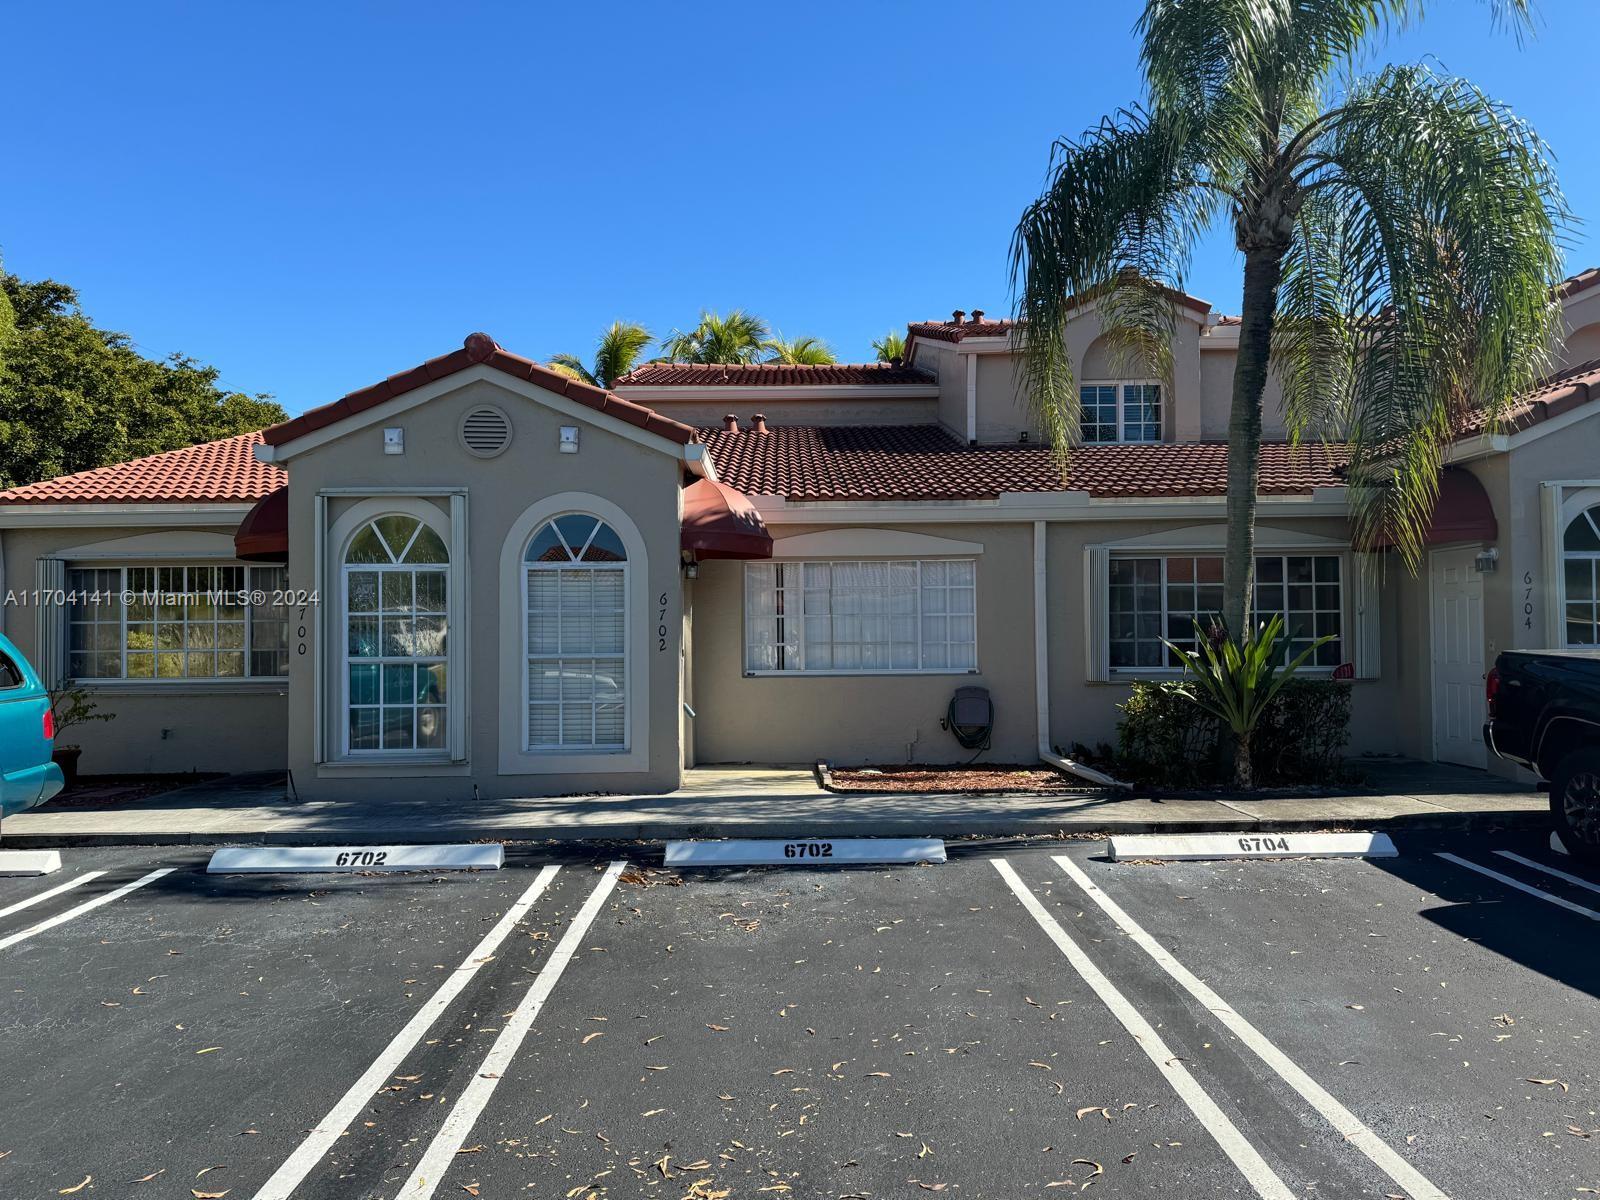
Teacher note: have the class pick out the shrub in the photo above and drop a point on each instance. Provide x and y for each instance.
(1164, 738)
(1302, 736)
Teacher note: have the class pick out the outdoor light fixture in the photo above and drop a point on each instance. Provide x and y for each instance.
(569, 439)
(1488, 561)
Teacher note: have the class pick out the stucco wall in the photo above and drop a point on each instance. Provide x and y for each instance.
(156, 727)
(866, 718)
(895, 718)
(641, 480)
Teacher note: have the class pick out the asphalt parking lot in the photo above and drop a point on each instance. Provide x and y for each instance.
(1002, 1025)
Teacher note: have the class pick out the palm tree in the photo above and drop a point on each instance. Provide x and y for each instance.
(891, 346)
(737, 338)
(803, 351)
(1399, 235)
(620, 349)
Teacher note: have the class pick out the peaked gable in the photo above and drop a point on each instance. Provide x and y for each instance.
(479, 349)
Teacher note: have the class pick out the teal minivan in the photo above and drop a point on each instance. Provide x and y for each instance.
(27, 728)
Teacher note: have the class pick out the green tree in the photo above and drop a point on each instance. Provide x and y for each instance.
(802, 351)
(891, 346)
(74, 397)
(621, 348)
(739, 337)
(1399, 234)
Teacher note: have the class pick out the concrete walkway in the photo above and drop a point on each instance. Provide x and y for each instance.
(771, 802)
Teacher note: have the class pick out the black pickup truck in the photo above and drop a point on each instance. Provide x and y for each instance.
(1544, 713)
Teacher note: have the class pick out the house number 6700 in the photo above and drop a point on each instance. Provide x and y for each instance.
(661, 623)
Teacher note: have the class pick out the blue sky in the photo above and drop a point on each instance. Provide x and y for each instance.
(313, 197)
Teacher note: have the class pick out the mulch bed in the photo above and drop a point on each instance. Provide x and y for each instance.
(975, 780)
(111, 791)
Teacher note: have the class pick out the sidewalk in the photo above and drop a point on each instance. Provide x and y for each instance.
(771, 802)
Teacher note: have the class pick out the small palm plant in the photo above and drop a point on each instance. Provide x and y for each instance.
(739, 337)
(890, 347)
(802, 351)
(620, 349)
(1235, 680)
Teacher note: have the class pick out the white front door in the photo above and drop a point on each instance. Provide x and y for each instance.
(1458, 705)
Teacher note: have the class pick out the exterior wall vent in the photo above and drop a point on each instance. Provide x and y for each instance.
(486, 431)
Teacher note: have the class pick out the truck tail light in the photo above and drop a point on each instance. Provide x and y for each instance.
(1491, 688)
(49, 725)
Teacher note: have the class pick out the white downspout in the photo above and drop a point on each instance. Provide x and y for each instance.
(1041, 670)
(972, 398)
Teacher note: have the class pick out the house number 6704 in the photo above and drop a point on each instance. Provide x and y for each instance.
(661, 623)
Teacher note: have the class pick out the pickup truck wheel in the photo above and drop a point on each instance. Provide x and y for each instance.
(1575, 803)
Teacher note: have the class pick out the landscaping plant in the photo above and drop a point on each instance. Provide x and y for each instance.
(1236, 679)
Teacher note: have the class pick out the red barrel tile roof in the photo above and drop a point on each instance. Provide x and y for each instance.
(775, 375)
(223, 472)
(1556, 394)
(925, 462)
(479, 348)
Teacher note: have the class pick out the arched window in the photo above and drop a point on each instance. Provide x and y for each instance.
(397, 622)
(575, 590)
(1580, 552)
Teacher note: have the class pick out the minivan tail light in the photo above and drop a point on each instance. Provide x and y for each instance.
(49, 725)
(1491, 688)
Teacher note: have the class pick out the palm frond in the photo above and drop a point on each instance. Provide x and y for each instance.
(802, 351)
(1445, 262)
(573, 366)
(737, 338)
(621, 347)
(890, 346)
(1117, 220)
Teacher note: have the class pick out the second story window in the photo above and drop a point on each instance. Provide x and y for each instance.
(1120, 412)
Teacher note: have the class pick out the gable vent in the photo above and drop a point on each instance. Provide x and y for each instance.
(485, 431)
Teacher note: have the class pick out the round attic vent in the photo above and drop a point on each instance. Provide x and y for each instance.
(486, 431)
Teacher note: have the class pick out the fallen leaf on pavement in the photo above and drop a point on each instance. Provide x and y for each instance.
(589, 1037)
(78, 1188)
(149, 1177)
(1550, 1083)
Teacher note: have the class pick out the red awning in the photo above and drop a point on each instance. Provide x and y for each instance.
(719, 522)
(1462, 514)
(263, 535)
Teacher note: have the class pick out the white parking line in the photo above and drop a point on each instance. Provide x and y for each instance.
(1344, 1122)
(1251, 1165)
(1527, 862)
(1559, 901)
(87, 905)
(469, 1105)
(331, 1128)
(55, 891)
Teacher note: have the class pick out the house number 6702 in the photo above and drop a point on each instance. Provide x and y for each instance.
(661, 623)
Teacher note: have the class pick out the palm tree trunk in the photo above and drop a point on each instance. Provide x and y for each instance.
(1263, 268)
(1243, 773)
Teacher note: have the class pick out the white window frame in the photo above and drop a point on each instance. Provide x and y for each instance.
(621, 568)
(122, 678)
(1572, 507)
(744, 648)
(1348, 633)
(331, 706)
(1121, 386)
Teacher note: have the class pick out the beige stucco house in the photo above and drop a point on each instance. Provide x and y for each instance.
(481, 577)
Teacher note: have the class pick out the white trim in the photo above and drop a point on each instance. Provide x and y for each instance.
(1041, 635)
(349, 523)
(514, 759)
(179, 544)
(871, 543)
(801, 672)
(54, 516)
(1097, 614)
(1122, 411)
(972, 397)
(688, 393)
(321, 615)
(1038, 506)
(1570, 499)
(477, 373)
(1211, 537)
